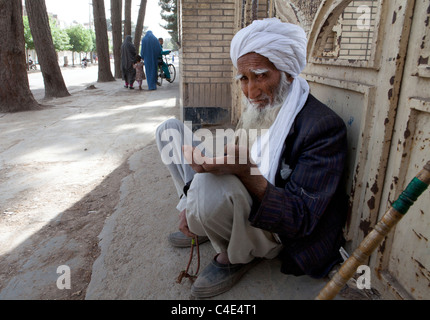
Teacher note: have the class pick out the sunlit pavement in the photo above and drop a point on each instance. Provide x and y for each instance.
(74, 78)
(50, 160)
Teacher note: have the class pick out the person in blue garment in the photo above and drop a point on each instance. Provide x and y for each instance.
(150, 51)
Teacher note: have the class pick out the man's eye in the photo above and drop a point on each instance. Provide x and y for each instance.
(260, 76)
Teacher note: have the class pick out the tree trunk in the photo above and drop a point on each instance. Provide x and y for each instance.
(15, 94)
(139, 25)
(41, 31)
(127, 18)
(116, 19)
(254, 10)
(105, 73)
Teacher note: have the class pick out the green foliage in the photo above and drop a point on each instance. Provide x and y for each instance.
(169, 44)
(170, 15)
(93, 39)
(59, 36)
(29, 44)
(81, 39)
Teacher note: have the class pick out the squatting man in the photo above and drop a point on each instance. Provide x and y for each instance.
(295, 208)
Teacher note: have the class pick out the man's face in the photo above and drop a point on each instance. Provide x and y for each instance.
(259, 79)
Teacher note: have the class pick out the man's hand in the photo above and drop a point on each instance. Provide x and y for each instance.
(236, 161)
(183, 225)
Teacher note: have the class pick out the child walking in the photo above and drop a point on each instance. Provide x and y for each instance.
(140, 74)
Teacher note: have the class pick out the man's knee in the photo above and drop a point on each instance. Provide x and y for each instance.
(171, 124)
(214, 196)
(169, 131)
(171, 136)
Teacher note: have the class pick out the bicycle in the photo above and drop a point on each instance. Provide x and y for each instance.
(161, 75)
(84, 63)
(31, 65)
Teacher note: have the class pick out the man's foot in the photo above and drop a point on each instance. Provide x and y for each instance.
(131, 88)
(126, 86)
(159, 83)
(169, 80)
(218, 278)
(180, 240)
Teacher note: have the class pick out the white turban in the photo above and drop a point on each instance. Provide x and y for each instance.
(284, 44)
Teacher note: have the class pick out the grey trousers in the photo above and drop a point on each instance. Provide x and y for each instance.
(216, 206)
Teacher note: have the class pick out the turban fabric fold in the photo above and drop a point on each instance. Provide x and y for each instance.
(284, 44)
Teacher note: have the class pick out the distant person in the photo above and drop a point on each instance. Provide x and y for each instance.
(31, 64)
(128, 58)
(84, 62)
(161, 62)
(140, 74)
(150, 51)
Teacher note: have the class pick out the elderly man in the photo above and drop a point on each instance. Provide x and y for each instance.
(286, 200)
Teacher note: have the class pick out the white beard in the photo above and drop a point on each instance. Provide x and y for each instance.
(253, 118)
(262, 119)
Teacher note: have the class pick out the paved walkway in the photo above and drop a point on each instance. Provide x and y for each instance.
(83, 186)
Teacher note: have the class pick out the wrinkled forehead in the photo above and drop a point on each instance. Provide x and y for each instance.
(254, 61)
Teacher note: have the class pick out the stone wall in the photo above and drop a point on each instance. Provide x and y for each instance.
(207, 27)
(208, 92)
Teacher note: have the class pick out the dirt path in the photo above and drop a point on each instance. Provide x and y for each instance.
(61, 171)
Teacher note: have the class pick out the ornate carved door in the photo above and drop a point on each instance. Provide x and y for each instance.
(403, 263)
(369, 61)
